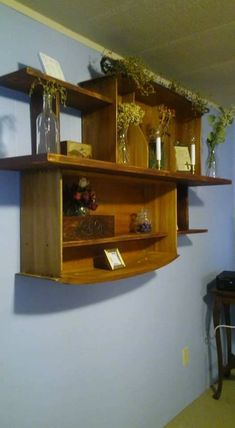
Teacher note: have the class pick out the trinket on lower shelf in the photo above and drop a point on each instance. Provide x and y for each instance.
(142, 222)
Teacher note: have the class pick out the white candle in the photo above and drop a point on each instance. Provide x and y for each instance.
(193, 154)
(158, 143)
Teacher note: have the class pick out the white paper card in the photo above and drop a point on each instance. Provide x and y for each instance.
(51, 66)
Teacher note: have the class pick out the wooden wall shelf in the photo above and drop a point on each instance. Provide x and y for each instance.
(120, 238)
(122, 190)
(77, 97)
(51, 160)
(191, 231)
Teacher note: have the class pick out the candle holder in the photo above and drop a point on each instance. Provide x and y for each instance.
(193, 169)
(158, 164)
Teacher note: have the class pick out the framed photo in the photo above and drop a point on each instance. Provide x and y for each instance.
(182, 158)
(114, 258)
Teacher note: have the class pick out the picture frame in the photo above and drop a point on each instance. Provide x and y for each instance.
(182, 158)
(114, 258)
(110, 259)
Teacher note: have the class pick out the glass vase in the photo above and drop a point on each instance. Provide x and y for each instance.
(123, 153)
(211, 162)
(47, 129)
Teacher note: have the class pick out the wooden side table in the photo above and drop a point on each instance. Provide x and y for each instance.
(222, 302)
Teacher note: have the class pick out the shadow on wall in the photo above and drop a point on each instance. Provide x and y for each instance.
(7, 127)
(9, 188)
(208, 299)
(184, 241)
(195, 200)
(8, 122)
(37, 296)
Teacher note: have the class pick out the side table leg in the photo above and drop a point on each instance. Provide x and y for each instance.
(216, 319)
(227, 369)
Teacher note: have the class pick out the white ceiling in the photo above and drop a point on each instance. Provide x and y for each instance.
(190, 41)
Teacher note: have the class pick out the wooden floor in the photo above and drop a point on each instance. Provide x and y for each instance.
(205, 412)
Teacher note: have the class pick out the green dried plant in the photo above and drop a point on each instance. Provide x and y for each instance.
(131, 67)
(129, 114)
(50, 87)
(199, 104)
(219, 124)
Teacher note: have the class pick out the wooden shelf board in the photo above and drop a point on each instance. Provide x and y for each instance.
(77, 97)
(191, 231)
(51, 160)
(118, 238)
(137, 266)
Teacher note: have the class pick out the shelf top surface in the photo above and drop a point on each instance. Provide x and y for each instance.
(50, 160)
(77, 97)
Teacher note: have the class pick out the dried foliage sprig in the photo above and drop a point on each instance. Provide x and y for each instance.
(199, 104)
(50, 87)
(165, 117)
(129, 114)
(219, 124)
(131, 67)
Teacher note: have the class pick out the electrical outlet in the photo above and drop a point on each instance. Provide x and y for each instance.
(185, 356)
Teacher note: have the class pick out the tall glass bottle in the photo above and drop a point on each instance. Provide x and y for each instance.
(47, 128)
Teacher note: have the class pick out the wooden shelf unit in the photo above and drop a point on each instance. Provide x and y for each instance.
(121, 189)
(185, 125)
(43, 251)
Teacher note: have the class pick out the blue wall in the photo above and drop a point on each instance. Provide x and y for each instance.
(107, 355)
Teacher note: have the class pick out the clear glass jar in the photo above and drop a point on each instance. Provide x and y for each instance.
(47, 129)
(142, 222)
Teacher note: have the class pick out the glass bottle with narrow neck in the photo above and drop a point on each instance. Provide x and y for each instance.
(47, 128)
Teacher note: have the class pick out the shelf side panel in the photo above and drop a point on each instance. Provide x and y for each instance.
(182, 207)
(99, 127)
(167, 218)
(41, 240)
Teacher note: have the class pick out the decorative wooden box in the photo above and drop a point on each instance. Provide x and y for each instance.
(73, 148)
(87, 227)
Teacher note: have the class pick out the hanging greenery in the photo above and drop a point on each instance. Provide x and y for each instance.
(199, 104)
(50, 87)
(134, 69)
(131, 67)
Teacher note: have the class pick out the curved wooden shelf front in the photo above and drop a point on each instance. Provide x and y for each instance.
(134, 266)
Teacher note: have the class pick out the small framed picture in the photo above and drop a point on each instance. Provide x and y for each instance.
(114, 258)
(182, 158)
(110, 259)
